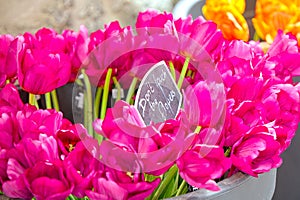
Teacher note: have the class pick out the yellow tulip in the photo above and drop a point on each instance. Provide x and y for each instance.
(272, 15)
(240, 5)
(227, 14)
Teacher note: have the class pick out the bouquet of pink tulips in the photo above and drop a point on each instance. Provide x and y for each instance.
(239, 111)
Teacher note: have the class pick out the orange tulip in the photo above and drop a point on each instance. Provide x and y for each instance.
(227, 14)
(272, 15)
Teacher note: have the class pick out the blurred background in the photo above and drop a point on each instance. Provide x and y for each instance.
(17, 17)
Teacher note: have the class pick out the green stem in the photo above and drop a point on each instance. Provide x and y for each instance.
(33, 101)
(105, 93)
(118, 86)
(227, 152)
(79, 82)
(131, 89)
(48, 101)
(181, 188)
(97, 102)
(85, 111)
(189, 73)
(183, 72)
(55, 100)
(198, 129)
(193, 75)
(256, 37)
(89, 99)
(71, 197)
(172, 70)
(165, 181)
(175, 184)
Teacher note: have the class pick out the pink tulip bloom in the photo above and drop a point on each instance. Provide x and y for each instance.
(283, 43)
(47, 180)
(17, 189)
(5, 41)
(10, 47)
(10, 101)
(257, 152)
(208, 37)
(113, 184)
(36, 62)
(152, 21)
(77, 48)
(24, 156)
(193, 36)
(132, 146)
(202, 164)
(48, 39)
(34, 122)
(281, 103)
(8, 131)
(29, 151)
(109, 48)
(67, 136)
(3, 78)
(81, 168)
(282, 58)
(3, 168)
(204, 103)
(106, 189)
(40, 53)
(252, 87)
(234, 129)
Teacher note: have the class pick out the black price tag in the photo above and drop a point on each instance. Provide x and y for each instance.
(158, 97)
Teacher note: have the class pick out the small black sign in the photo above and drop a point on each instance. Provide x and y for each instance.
(158, 97)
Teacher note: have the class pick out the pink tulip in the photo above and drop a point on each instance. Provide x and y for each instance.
(48, 39)
(67, 136)
(257, 152)
(17, 189)
(106, 189)
(36, 62)
(234, 129)
(251, 89)
(77, 48)
(152, 21)
(113, 184)
(207, 36)
(47, 180)
(8, 131)
(281, 59)
(29, 151)
(5, 41)
(109, 48)
(132, 146)
(81, 168)
(10, 47)
(24, 156)
(3, 167)
(193, 36)
(3, 78)
(236, 61)
(43, 52)
(281, 104)
(202, 164)
(33, 122)
(10, 101)
(283, 43)
(204, 102)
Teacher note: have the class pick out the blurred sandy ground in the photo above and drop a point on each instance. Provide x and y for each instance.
(19, 16)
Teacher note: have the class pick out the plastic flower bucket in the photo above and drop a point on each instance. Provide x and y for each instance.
(239, 186)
